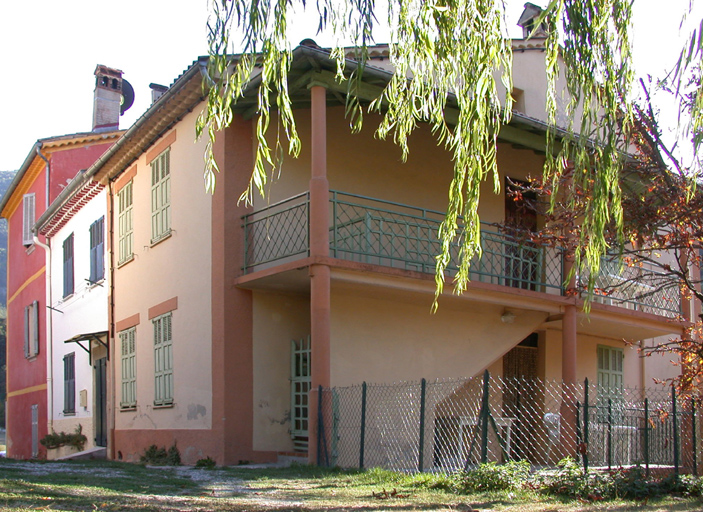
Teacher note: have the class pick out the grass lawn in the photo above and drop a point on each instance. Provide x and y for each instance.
(113, 486)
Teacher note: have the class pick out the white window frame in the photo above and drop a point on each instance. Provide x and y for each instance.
(28, 218)
(163, 359)
(161, 196)
(128, 350)
(125, 223)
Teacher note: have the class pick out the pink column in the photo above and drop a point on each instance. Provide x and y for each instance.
(319, 273)
(568, 365)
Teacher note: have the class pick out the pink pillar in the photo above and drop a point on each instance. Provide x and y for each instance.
(568, 366)
(319, 274)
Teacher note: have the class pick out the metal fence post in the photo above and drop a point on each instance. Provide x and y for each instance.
(421, 455)
(362, 441)
(484, 417)
(676, 432)
(646, 435)
(693, 436)
(579, 434)
(320, 426)
(610, 433)
(585, 427)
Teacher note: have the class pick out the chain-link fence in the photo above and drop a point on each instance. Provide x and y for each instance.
(453, 425)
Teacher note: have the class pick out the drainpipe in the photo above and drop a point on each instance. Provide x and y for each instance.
(110, 406)
(643, 365)
(49, 340)
(48, 172)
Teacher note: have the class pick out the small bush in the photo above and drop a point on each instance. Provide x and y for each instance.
(206, 463)
(173, 457)
(493, 477)
(627, 483)
(76, 439)
(155, 456)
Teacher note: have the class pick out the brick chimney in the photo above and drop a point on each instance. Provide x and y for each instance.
(107, 99)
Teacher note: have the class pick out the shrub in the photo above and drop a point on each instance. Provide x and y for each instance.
(75, 439)
(206, 463)
(628, 483)
(156, 456)
(493, 477)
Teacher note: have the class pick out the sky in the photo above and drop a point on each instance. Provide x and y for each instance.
(50, 50)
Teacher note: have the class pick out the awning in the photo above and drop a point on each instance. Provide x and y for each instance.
(91, 336)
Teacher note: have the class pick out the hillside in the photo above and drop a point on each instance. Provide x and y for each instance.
(5, 179)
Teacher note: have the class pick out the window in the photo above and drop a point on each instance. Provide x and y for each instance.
(97, 268)
(28, 219)
(31, 330)
(163, 360)
(300, 386)
(129, 368)
(69, 383)
(68, 266)
(125, 225)
(160, 197)
(610, 383)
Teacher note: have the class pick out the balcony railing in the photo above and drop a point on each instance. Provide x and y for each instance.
(395, 235)
(638, 287)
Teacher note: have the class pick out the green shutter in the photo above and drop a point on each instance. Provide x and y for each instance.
(300, 386)
(163, 360)
(125, 229)
(610, 383)
(129, 368)
(160, 196)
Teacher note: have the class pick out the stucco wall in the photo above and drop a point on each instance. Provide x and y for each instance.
(638, 372)
(380, 335)
(177, 267)
(278, 319)
(26, 378)
(85, 311)
(362, 164)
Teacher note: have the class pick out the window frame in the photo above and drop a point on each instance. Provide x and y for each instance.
(125, 223)
(128, 368)
(163, 360)
(97, 251)
(161, 196)
(69, 383)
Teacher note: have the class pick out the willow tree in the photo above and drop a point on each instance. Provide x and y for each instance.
(443, 49)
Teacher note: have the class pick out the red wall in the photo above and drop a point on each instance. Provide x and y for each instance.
(22, 373)
(22, 265)
(66, 164)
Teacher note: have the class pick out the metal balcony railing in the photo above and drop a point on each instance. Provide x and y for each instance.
(389, 234)
(400, 236)
(635, 286)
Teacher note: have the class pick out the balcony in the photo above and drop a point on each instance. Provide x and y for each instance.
(394, 235)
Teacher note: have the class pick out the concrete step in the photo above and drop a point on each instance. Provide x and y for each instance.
(99, 452)
(288, 460)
